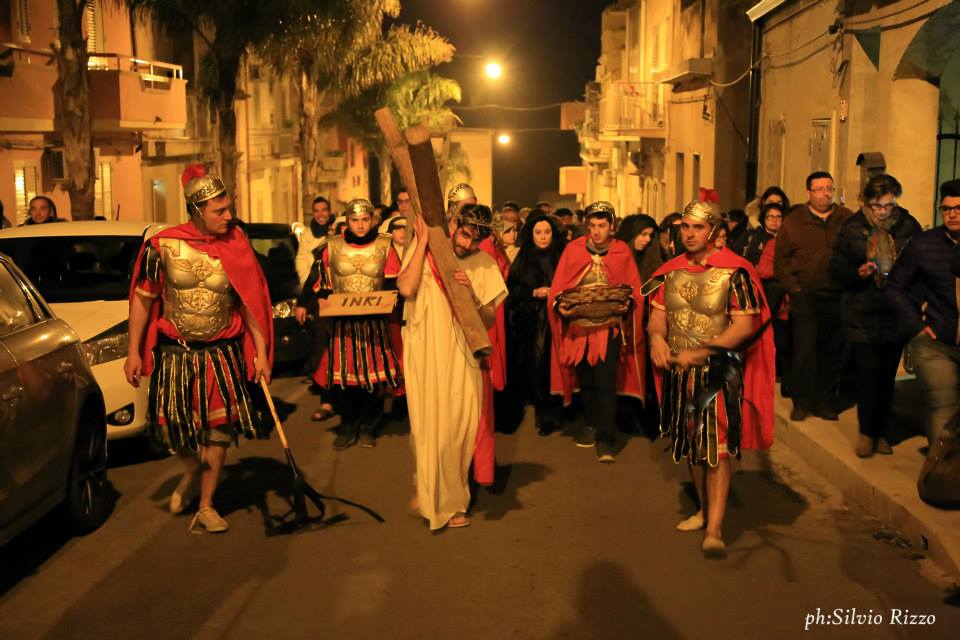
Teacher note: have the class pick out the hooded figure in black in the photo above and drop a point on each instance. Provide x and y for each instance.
(528, 331)
(646, 249)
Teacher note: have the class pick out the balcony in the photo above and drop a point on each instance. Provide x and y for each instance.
(26, 90)
(691, 70)
(130, 94)
(631, 111)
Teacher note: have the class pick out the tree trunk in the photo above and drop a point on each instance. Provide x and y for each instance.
(228, 68)
(385, 165)
(309, 143)
(71, 94)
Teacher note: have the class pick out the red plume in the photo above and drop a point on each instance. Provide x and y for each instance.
(709, 195)
(191, 172)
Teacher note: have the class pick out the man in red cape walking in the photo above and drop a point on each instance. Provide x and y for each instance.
(712, 351)
(201, 325)
(602, 357)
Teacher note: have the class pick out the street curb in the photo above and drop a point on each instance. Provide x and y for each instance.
(870, 483)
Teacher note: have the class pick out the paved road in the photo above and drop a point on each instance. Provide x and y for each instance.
(565, 548)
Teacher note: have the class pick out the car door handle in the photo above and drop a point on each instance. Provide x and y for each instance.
(65, 368)
(12, 393)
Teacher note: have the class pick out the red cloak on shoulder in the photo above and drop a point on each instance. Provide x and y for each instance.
(759, 368)
(245, 275)
(497, 360)
(570, 343)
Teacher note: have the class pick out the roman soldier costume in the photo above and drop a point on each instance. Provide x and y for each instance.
(726, 405)
(196, 344)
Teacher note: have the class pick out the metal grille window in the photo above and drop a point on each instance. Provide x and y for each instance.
(93, 18)
(22, 10)
(26, 178)
(103, 202)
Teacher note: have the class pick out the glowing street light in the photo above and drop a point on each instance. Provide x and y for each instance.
(493, 70)
(503, 138)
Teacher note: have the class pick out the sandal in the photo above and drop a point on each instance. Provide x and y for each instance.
(458, 521)
(321, 414)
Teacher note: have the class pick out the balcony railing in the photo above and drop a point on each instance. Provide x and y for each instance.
(26, 89)
(151, 71)
(632, 109)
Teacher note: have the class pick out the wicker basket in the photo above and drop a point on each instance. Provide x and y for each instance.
(596, 303)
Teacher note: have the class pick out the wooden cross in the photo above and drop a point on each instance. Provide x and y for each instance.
(412, 155)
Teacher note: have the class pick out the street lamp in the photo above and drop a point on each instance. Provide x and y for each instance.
(493, 70)
(503, 138)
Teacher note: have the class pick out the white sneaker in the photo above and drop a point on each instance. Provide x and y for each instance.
(210, 520)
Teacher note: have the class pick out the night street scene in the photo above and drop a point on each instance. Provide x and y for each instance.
(477, 319)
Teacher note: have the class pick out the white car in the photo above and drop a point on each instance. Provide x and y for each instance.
(83, 269)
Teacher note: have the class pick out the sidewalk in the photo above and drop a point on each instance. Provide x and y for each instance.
(885, 486)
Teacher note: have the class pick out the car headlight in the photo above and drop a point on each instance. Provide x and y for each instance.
(284, 309)
(108, 346)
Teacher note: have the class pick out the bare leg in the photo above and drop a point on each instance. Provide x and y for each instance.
(718, 487)
(696, 521)
(186, 489)
(213, 459)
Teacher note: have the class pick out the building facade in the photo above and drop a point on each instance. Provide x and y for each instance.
(150, 122)
(665, 115)
(858, 87)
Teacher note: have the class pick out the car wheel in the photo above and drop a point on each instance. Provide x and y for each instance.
(86, 506)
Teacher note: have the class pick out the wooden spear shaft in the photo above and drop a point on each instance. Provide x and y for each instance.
(412, 154)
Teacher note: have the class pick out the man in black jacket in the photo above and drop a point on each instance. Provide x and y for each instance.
(923, 290)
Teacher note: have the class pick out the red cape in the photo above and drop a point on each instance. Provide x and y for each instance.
(759, 359)
(497, 360)
(239, 262)
(570, 343)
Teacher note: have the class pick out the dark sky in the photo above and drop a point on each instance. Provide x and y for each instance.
(549, 51)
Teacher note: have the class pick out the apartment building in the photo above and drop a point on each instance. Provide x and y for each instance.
(150, 122)
(667, 111)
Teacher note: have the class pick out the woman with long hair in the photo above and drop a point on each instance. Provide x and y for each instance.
(528, 336)
(640, 231)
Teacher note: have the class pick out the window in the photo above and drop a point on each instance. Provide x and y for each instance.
(22, 20)
(696, 177)
(821, 144)
(26, 177)
(16, 312)
(158, 191)
(679, 185)
(93, 19)
(103, 191)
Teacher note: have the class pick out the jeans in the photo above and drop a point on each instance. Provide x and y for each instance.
(876, 364)
(937, 365)
(816, 320)
(598, 388)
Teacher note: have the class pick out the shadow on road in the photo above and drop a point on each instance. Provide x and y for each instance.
(502, 497)
(610, 605)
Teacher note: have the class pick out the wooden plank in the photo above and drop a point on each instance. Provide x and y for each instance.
(426, 198)
(369, 303)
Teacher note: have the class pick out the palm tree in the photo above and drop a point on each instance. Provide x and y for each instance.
(71, 95)
(230, 29)
(332, 61)
(416, 98)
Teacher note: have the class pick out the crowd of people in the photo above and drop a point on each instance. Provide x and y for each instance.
(680, 327)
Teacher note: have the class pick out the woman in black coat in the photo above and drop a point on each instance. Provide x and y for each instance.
(528, 331)
(641, 233)
(866, 248)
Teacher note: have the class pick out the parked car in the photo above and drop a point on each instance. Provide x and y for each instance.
(276, 248)
(83, 269)
(53, 436)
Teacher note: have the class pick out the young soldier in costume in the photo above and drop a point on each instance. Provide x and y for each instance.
(200, 322)
(712, 349)
(598, 348)
(359, 359)
(448, 393)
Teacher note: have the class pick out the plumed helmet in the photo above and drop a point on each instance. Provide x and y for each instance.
(358, 207)
(476, 215)
(199, 186)
(703, 211)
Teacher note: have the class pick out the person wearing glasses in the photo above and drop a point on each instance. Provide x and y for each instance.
(864, 254)
(922, 290)
(801, 262)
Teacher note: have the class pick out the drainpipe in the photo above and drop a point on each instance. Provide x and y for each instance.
(754, 129)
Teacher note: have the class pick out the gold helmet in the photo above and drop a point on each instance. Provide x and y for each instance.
(601, 207)
(705, 212)
(199, 187)
(358, 207)
(456, 197)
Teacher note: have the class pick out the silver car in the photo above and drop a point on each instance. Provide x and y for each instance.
(53, 435)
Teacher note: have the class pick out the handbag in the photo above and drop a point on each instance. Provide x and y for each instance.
(939, 483)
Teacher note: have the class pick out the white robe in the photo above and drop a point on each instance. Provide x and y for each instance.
(444, 387)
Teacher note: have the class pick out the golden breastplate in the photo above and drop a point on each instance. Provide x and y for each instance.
(697, 306)
(594, 274)
(357, 269)
(197, 296)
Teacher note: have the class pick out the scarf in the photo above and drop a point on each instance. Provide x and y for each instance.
(354, 239)
(319, 230)
(881, 247)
